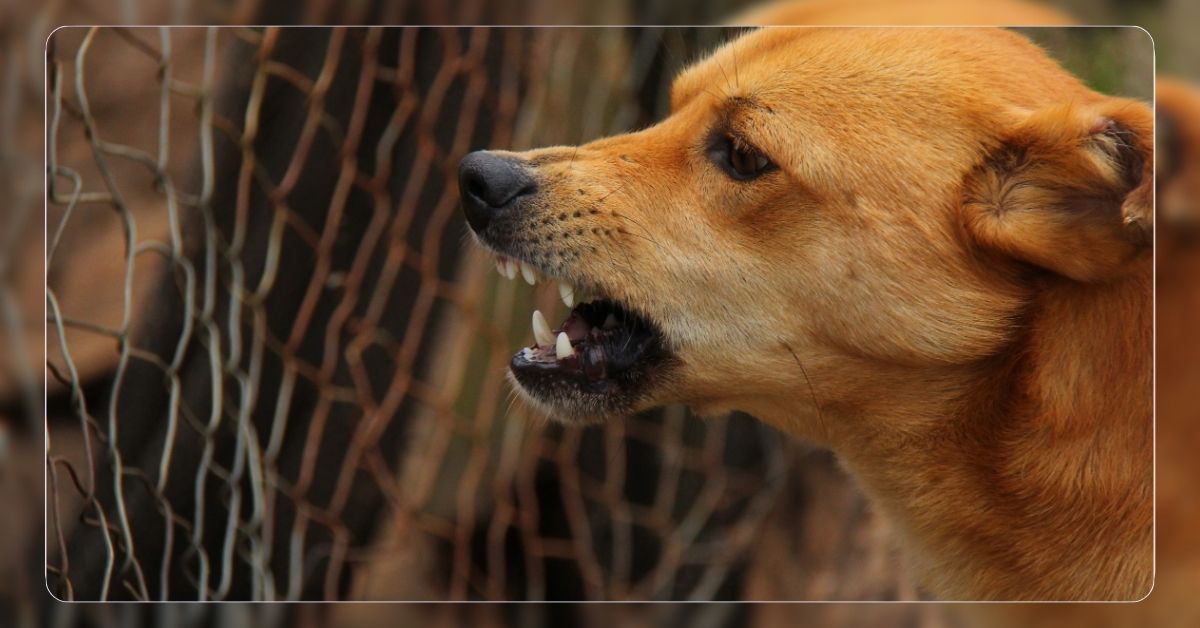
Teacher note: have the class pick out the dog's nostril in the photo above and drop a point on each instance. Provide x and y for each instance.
(491, 184)
(475, 189)
(529, 189)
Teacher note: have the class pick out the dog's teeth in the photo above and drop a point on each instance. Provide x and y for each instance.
(510, 268)
(610, 321)
(528, 273)
(541, 331)
(567, 292)
(562, 347)
(500, 267)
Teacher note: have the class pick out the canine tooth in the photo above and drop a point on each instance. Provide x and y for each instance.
(610, 321)
(500, 267)
(510, 268)
(567, 292)
(528, 273)
(562, 347)
(541, 331)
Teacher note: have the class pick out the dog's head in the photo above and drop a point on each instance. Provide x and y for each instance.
(822, 208)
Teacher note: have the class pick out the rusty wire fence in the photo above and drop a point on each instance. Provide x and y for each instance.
(818, 543)
(279, 368)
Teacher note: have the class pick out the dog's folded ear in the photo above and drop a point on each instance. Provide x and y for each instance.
(1068, 188)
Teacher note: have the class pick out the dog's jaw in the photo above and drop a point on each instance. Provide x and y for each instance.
(605, 359)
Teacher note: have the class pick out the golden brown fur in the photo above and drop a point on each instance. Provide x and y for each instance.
(904, 13)
(947, 280)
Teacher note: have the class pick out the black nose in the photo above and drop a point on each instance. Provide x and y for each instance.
(491, 184)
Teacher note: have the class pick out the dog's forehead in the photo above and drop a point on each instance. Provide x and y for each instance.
(737, 67)
(778, 57)
(859, 60)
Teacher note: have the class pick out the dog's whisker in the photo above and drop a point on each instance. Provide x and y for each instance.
(648, 237)
(625, 345)
(737, 81)
(811, 390)
(627, 264)
(728, 85)
(622, 216)
(680, 61)
(639, 225)
(612, 191)
(562, 174)
(513, 396)
(633, 220)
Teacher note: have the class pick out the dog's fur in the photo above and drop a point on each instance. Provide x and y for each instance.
(947, 279)
(903, 13)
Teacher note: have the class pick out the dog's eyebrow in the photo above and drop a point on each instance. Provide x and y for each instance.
(734, 103)
(735, 108)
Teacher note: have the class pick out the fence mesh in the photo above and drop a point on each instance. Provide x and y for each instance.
(817, 552)
(277, 370)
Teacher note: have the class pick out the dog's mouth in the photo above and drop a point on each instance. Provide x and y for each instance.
(601, 360)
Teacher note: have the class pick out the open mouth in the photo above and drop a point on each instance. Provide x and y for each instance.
(598, 361)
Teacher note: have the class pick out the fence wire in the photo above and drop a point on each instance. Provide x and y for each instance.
(280, 370)
(818, 542)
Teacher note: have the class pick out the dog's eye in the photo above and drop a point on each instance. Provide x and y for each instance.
(739, 160)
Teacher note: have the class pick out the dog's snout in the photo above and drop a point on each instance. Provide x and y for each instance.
(490, 184)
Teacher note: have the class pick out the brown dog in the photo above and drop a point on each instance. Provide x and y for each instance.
(928, 249)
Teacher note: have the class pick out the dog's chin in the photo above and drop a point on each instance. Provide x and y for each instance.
(566, 408)
(616, 361)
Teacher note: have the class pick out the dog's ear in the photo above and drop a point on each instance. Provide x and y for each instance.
(1068, 188)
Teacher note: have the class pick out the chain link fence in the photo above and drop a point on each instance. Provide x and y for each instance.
(252, 228)
(280, 371)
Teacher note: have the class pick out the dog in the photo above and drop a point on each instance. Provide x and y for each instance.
(927, 249)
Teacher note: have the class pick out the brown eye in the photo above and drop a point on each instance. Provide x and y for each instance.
(747, 162)
(738, 159)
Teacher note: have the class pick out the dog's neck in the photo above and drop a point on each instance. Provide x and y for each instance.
(1018, 477)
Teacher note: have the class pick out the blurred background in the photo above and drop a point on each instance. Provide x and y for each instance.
(274, 371)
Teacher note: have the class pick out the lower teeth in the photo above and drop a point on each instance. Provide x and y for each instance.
(562, 346)
(582, 343)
